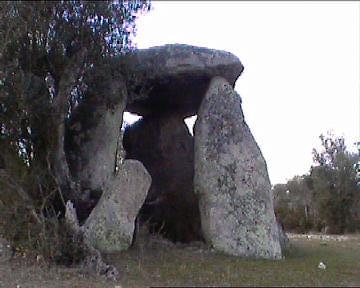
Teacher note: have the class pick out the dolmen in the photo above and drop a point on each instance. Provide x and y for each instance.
(211, 186)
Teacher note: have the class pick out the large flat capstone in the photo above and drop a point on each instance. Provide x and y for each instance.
(173, 77)
(231, 179)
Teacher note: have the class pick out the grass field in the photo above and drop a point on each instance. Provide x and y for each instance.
(181, 267)
(161, 265)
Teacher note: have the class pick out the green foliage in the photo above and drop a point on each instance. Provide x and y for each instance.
(335, 183)
(357, 166)
(40, 44)
(328, 198)
(28, 218)
(63, 245)
(48, 51)
(292, 205)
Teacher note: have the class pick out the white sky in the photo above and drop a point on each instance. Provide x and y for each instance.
(301, 61)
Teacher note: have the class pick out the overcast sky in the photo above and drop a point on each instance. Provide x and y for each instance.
(301, 61)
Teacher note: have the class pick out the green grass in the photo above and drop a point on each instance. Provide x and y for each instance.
(161, 266)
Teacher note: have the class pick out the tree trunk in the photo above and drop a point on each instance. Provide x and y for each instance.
(58, 159)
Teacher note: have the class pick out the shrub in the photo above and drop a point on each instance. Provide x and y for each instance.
(28, 218)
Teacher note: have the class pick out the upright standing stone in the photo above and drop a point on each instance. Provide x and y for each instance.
(93, 140)
(165, 146)
(231, 179)
(93, 136)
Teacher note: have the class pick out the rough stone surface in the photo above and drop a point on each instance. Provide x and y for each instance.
(93, 261)
(110, 226)
(166, 148)
(71, 217)
(173, 77)
(92, 142)
(283, 238)
(231, 179)
(5, 250)
(95, 137)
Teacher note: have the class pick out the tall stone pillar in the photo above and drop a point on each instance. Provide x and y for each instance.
(231, 179)
(92, 140)
(164, 145)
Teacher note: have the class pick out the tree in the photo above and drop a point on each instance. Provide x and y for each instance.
(52, 53)
(293, 203)
(48, 49)
(327, 198)
(334, 179)
(357, 165)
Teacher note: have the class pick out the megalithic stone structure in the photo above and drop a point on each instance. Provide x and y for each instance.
(231, 179)
(214, 185)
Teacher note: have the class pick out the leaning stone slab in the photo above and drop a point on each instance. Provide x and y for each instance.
(92, 261)
(110, 226)
(231, 179)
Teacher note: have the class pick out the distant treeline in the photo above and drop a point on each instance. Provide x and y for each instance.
(328, 198)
